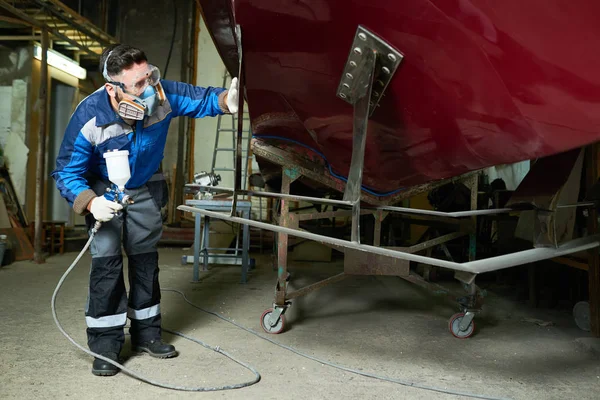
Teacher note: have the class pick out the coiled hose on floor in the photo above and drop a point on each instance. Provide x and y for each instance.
(221, 351)
(133, 373)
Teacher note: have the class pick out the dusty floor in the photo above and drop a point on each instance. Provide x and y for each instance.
(381, 325)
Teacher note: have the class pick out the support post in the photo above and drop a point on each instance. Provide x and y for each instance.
(41, 151)
(379, 217)
(245, 248)
(194, 67)
(240, 127)
(362, 96)
(198, 240)
(473, 235)
(594, 256)
(181, 137)
(287, 177)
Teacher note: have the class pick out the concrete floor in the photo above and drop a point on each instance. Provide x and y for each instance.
(382, 325)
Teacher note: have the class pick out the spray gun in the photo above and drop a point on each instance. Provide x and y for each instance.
(117, 165)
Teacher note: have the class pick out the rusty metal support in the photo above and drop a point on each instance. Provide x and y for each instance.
(476, 267)
(315, 286)
(264, 149)
(287, 177)
(41, 151)
(327, 214)
(434, 242)
(362, 97)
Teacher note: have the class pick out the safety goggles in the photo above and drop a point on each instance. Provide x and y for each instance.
(136, 83)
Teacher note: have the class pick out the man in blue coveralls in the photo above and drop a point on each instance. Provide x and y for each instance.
(132, 112)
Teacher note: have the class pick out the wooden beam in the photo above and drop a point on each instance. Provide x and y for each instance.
(41, 152)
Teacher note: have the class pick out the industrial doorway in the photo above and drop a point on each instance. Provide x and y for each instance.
(62, 98)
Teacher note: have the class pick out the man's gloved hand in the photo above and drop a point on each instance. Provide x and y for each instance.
(233, 96)
(103, 209)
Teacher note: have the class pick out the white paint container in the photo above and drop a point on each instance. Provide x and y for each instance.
(117, 164)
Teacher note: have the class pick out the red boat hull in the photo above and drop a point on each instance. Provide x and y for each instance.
(482, 83)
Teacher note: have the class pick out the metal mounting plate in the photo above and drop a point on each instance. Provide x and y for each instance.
(387, 61)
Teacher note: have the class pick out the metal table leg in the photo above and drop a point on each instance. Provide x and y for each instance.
(246, 245)
(205, 242)
(197, 239)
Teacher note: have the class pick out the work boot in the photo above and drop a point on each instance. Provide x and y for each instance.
(156, 348)
(103, 368)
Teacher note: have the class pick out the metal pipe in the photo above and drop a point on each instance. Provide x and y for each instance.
(41, 151)
(402, 210)
(318, 200)
(585, 204)
(456, 214)
(475, 267)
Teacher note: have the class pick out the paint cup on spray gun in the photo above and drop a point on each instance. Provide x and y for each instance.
(117, 165)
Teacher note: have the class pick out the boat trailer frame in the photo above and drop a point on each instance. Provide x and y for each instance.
(371, 58)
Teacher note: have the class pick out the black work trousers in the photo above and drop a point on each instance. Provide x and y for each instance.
(138, 228)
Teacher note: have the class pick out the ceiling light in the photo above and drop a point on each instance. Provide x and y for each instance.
(61, 62)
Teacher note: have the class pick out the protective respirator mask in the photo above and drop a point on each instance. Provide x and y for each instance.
(142, 92)
(137, 107)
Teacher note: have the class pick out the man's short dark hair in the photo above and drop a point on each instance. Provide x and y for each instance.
(122, 57)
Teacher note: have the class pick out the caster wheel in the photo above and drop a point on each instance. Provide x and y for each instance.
(264, 322)
(454, 326)
(581, 314)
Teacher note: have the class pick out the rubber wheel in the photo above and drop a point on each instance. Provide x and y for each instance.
(454, 326)
(264, 322)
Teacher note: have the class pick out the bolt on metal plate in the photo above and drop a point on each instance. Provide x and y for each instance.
(387, 61)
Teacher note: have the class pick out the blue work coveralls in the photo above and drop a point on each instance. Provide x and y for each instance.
(81, 175)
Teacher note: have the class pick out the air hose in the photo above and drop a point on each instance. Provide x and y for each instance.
(133, 373)
(221, 351)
